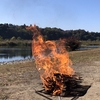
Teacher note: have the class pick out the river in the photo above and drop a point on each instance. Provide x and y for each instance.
(8, 54)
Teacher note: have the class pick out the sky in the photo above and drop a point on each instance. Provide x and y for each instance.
(64, 14)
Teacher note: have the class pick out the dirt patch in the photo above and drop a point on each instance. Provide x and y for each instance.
(21, 81)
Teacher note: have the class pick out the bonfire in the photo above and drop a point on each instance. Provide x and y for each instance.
(53, 63)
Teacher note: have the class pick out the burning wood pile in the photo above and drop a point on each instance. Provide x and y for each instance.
(62, 85)
(53, 63)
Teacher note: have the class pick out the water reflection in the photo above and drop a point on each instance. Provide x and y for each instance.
(14, 53)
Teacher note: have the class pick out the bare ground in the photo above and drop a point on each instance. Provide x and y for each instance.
(21, 81)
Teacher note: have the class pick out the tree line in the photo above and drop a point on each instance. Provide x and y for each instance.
(8, 31)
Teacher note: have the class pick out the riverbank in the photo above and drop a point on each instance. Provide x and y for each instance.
(15, 42)
(16, 61)
(19, 80)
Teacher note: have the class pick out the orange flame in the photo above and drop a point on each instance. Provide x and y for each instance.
(51, 58)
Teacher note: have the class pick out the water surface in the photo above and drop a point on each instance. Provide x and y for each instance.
(8, 54)
(14, 53)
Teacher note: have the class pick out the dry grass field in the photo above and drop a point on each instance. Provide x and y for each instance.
(19, 81)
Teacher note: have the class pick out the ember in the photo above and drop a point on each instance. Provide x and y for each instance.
(53, 63)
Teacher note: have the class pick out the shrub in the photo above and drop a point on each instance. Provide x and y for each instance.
(72, 43)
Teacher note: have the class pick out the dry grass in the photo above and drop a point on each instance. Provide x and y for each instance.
(85, 56)
(15, 79)
(15, 73)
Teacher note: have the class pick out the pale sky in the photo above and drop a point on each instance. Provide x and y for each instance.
(64, 14)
